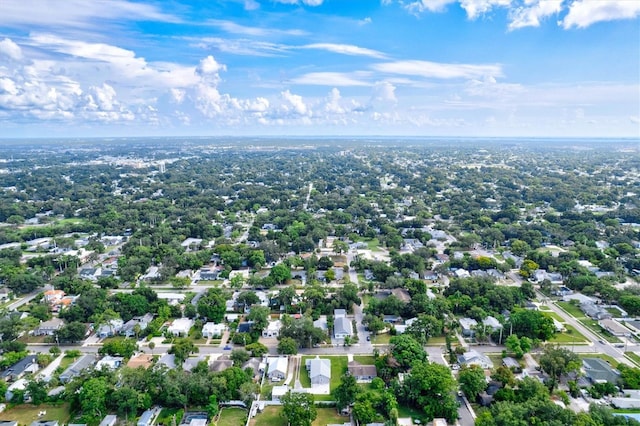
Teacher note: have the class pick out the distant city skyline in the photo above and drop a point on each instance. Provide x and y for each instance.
(468, 68)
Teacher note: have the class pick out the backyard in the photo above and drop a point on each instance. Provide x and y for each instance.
(338, 368)
(232, 417)
(272, 416)
(25, 414)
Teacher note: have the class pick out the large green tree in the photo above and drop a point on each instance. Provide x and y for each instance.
(472, 381)
(299, 408)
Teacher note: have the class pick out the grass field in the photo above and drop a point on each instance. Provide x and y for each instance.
(553, 315)
(436, 341)
(338, 368)
(365, 359)
(25, 414)
(634, 356)
(571, 335)
(404, 411)
(232, 417)
(373, 244)
(271, 416)
(381, 339)
(572, 310)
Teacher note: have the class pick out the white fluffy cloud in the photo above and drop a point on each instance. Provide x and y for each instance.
(583, 13)
(333, 79)
(305, 2)
(532, 12)
(10, 49)
(529, 13)
(294, 104)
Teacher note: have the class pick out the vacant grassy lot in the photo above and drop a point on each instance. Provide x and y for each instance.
(571, 309)
(232, 417)
(25, 414)
(571, 335)
(381, 339)
(373, 244)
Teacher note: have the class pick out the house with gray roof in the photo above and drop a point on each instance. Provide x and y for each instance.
(341, 325)
(599, 371)
(475, 358)
(48, 328)
(74, 370)
(467, 325)
(319, 370)
(28, 364)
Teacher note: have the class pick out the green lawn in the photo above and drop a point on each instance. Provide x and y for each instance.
(25, 414)
(404, 411)
(571, 335)
(232, 417)
(365, 359)
(554, 316)
(633, 356)
(271, 416)
(338, 368)
(328, 416)
(571, 309)
(437, 341)
(166, 416)
(373, 244)
(381, 339)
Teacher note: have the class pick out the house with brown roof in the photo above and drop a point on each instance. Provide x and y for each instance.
(141, 360)
(362, 373)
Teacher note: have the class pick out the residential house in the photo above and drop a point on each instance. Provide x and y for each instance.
(319, 370)
(109, 420)
(491, 324)
(402, 295)
(362, 373)
(341, 324)
(147, 418)
(129, 328)
(277, 369)
(78, 366)
(272, 329)
(180, 327)
(44, 423)
(599, 371)
(8, 423)
(468, 325)
(18, 385)
(615, 328)
(192, 362)
(110, 329)
(212, 330)
(109, 362)
(28, 364)
(595, 311)
(171, 298)
(221, 363)
(511, 363)
(91, 274)
(209, 274)
(141, 360)
(167, 360)
(153, 274)
(53, 296)
(475, 358)
(48, 328)
(277, 392)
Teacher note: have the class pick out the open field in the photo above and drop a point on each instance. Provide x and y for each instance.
(571, 335)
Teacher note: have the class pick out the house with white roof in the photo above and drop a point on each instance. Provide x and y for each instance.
(278, 368)
(212, 330)
(109, 362)
(468, 325)
(180, 327)
(272, 329)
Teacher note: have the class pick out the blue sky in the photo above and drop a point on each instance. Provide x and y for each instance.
(543, 68)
